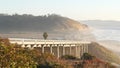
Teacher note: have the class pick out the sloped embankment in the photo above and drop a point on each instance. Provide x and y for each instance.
(103, 53)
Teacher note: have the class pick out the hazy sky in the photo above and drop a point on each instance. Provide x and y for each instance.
(76, 9)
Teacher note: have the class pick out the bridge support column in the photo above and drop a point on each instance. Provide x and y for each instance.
(87, 48)
(80, 47)
(75, 50)
(78, 50)
(23, 45)
(51, 48)
(23, 42)
(42, 48)
(58, 51)
(84, 48)
(63, 50)
(70, 50)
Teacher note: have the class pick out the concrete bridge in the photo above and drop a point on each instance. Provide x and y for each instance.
(56, 47)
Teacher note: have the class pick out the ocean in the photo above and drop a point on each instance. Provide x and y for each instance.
(106, 34)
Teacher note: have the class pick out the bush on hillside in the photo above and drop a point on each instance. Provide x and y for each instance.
(87, 56)
(68, 57)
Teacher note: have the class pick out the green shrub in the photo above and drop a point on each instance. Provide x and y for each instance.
(87, 56)
(68, 57)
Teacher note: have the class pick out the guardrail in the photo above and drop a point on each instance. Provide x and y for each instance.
(38, 41)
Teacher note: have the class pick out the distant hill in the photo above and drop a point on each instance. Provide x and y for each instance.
(103, 53)
(29, 26)
(103, 24)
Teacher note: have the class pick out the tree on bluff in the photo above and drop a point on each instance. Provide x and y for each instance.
(45, 35)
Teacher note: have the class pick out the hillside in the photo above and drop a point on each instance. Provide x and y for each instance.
(111, 44)
(29, 26)
(103, 53)
(30, 23)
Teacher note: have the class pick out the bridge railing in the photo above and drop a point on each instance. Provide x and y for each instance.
(38, 41)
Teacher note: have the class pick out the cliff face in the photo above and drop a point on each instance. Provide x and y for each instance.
(103, 53)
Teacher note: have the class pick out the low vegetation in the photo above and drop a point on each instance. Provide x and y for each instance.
(15, 56)
(68, 57)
